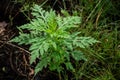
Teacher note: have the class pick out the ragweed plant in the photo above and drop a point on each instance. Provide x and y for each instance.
(52, 40)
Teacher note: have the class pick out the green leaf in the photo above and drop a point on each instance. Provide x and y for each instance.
(69, 66)
(69, 22)
(22, 39)
(34, 46)
(54, 45)
(41, 50)
(55, 66)
(84, 42)
(56, 57)
(65, 13)
(34, 55)
(46, 46)
(68, 45)
(67, 56)
(78, 55)
(51, 20)
(42, 64)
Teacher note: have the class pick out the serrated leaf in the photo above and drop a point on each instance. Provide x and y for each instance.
(69, 66)
(84, 42)
(78, 55)
(34, 46)
(54, 45)
(69, 22)
(22, 39)
(34, 55)
(42, 64)
(67, 56)
(46, 47)
(68, 45)
(41, 50)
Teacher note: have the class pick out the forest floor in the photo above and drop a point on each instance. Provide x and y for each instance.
(13, 66)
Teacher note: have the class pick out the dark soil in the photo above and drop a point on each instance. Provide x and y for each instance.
(14, 60)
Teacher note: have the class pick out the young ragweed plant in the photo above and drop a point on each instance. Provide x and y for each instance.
(51, 40)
